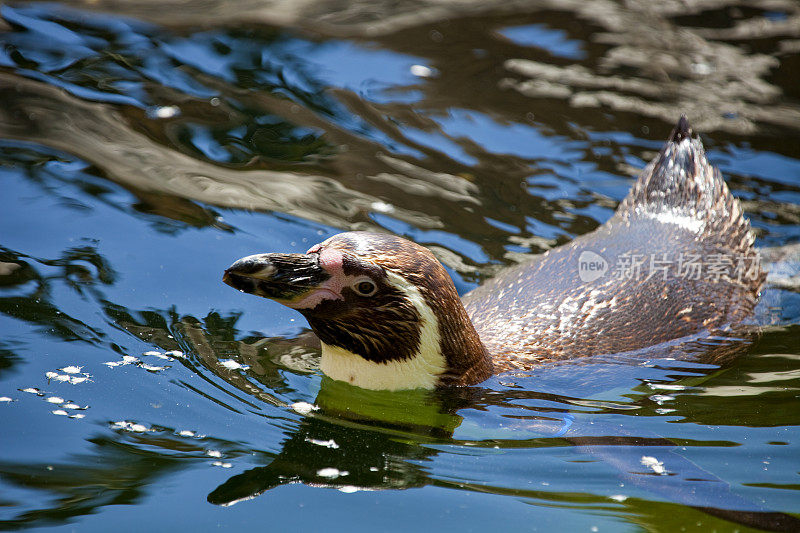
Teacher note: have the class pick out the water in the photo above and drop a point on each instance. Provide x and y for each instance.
(145, 146)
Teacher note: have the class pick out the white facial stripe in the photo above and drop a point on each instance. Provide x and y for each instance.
(418, 372)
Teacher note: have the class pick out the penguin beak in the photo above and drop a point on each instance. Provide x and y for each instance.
(286, 278)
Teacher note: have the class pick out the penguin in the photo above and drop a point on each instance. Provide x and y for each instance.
(676, 261)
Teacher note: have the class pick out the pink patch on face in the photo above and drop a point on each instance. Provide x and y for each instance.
(330, 260)
(314, 298)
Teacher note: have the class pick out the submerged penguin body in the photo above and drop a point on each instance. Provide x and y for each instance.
(675, 260)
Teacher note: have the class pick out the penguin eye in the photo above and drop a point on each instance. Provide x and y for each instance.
(365, 287)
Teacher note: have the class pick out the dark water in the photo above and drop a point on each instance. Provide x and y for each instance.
(146, 145)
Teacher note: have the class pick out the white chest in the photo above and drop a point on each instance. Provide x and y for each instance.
(419, 372)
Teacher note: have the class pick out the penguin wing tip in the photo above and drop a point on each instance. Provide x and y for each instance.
(682, 130)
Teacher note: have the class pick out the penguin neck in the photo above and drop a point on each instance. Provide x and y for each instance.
(449, 351)
(451, 335)
(468, 360)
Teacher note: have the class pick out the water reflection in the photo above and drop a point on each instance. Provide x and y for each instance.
(254, 99)
(118, 473)
(355, 440)
(31, 303)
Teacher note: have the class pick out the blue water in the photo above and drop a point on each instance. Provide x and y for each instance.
(141, 155)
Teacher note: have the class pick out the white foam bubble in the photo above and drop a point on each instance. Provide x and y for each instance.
(230, 364)
(653, 464)
(421, 71)
(331, 473)
(324, 443)
(303, 408)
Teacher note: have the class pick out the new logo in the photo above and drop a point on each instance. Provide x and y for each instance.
(591, 266)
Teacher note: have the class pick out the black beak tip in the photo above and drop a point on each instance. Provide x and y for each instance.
(275, 276)
(245, 266)
(240, 283)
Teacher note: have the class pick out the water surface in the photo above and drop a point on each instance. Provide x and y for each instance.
(144, 146)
